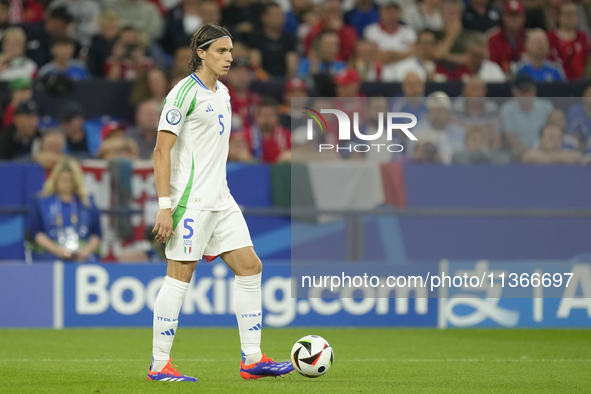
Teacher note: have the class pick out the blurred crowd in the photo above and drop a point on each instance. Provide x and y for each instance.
(468, 129)
(323, 48)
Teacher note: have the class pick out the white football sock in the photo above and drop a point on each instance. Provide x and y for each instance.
(167, 307)
(248, 309)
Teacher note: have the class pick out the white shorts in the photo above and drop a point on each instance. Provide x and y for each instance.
(207, 233)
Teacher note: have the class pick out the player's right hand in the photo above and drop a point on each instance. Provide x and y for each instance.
(163, 227)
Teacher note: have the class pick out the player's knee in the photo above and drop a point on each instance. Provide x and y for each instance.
(258, 266)
(251, 266)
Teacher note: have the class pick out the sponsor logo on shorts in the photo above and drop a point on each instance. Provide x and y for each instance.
(173, 116)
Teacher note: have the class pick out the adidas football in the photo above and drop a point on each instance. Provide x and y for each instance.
(312, 356)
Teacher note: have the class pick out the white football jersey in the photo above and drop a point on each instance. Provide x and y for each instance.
(201, 120)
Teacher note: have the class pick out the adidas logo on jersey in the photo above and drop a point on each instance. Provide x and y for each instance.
(209, 108)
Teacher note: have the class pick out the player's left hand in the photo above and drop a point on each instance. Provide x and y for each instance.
(163, 226)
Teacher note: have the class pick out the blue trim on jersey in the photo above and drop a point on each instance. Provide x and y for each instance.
(196, 78)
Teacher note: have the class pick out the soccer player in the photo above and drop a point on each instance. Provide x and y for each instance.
(198, 216)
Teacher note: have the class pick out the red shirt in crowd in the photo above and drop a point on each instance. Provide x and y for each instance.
(244, 105)
(346, 33)
(502, 52)
(572, 55)
(8, 117)
(268, 148)
(130, 70)
(451, 71)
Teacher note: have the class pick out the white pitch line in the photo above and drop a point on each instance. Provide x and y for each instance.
(448, 360)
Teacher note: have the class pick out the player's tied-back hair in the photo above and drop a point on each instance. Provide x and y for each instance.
(202, 39)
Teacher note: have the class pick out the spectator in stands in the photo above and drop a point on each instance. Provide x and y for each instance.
(294, 17)
(63, 221)
(115, 144)
(524, 116)
(4, 20)
(269, 142)
(241, 17)
(57, 23)
(85, 13)
(13, 62)
(272, 48)
(102, 43)
(578, 119)
(545, 14)
(362, 15)
(394, 40)
(332, 20)
(243, 100)
(413, 98)
(293, 89)
(452, 37)
(536, 65)
(375, 106)
(323, 57)
(481, 15)
(474, 109)
(129, 56)
(506, 43)
(449, 137)
(53, 145)
(71, 121)
(365, 61)
(143, 16)
(20, 90)
(145, 129)
(569, 45)
(551, 150)
(348, 83)
(210, 11)
(22, 140)
(151, 84)
(426, 149)
(478, 150)
(426, 14)
(422, 63)
(309, 19)
(558, 118)
(183, 20)
(238, 150)
(26, 11)
(476, 64)
(175, 76)
(63, 62)
(182, 58)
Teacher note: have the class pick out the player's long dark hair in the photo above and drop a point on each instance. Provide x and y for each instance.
(205, 33)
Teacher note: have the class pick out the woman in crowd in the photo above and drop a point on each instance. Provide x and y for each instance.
(63, 221)
(13, 62)
(151, 84)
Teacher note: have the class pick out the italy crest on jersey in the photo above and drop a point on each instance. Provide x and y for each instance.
(188, 244)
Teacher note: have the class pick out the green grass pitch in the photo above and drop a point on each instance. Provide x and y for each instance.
(366, 361)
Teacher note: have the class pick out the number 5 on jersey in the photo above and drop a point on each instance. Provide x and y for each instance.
(220, 117)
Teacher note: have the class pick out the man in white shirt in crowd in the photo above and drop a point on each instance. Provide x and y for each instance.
(394, 40)
(448, 137)
(422, 63)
